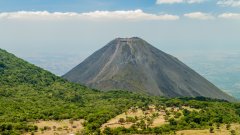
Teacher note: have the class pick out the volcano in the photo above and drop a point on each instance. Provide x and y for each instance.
(134, 65)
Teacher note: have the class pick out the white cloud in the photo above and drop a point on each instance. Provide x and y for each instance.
(178, 1)
(230, 15)
(229, 3)
(199, 16)
(96, 15)
(169, 1)
(132, 15)
(195, 1)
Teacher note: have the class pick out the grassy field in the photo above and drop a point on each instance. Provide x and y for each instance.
(63, 127)
(137, 114)
(152, 116)
(221, 131)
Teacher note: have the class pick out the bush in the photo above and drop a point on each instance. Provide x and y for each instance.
(121, 120)
(233, 132)
(211, 130)
(177, 115)
(218, 125)
(228, 126)
(172, 121)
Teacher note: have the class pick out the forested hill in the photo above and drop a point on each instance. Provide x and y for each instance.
(29, 93)
(15, 71)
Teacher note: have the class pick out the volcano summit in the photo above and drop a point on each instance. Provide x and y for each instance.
(133, 64)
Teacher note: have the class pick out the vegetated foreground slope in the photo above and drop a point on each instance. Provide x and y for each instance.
(29, 93)
(133, 64)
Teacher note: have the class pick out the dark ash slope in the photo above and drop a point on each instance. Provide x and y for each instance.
(135, 65)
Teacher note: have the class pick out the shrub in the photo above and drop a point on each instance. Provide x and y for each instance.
(228, 126)
(121, 120)
(211, 130)
(233, 132)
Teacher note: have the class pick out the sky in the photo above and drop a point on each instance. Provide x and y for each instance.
(73, 24)
(76, 28)
(153, 6)
(59, 34)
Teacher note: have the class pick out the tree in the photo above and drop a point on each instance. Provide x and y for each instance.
(166, 117)
(149, 122)
(233, 132)
(54, 128)
(142, 124)
(211, 130)
(218, 125)
(71, 121)
(186, 112)
(134, 109)
(172, 121)
(107, 131)
(228, 126)
(121, 120)
(177, 115)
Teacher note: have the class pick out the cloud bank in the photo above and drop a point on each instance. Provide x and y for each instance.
(229, 3)
(230, 16)
(96, 15)
(199, 16)
(178, 1)
(129, 15)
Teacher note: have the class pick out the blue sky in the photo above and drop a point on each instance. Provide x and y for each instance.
(74, 5)
(194, 24)
(92, 5)
(30, 28)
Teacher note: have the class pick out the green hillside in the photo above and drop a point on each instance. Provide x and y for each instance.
(29, 93)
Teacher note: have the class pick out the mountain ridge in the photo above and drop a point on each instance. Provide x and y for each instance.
(135, 65)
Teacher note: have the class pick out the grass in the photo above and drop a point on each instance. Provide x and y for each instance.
(62, 127)
(221, 131)
(144, 115)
